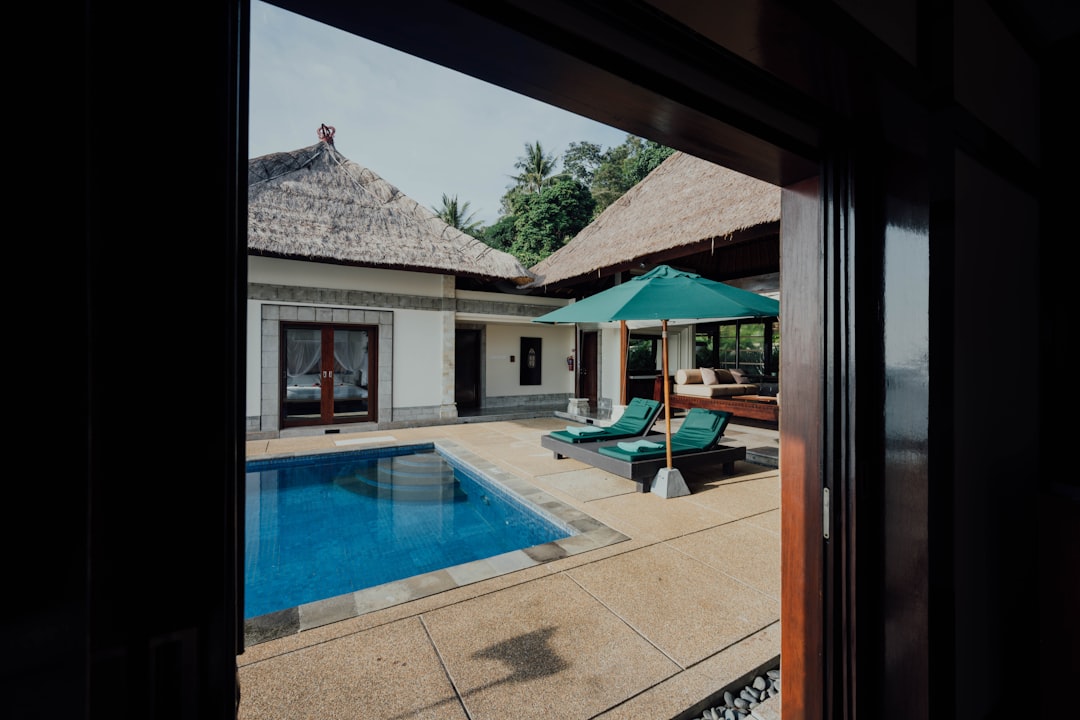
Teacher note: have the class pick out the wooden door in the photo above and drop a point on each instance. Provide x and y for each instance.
(587, 376)
(467, 369)
(326, 372)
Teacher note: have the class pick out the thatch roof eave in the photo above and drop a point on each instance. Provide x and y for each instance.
(313, 204)
(681, 206)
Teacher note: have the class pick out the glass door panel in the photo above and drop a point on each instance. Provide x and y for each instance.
(303, 375)
(350, 374)
(327, 373)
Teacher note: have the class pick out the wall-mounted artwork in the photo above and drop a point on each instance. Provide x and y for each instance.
(530, 361)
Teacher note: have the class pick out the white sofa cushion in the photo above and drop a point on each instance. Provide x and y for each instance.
(711, 391)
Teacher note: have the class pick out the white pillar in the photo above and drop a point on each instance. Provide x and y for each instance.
(448, 405)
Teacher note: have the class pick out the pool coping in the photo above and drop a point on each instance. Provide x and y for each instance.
(591, 535)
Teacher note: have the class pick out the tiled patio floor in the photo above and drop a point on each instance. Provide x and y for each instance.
(643, 627)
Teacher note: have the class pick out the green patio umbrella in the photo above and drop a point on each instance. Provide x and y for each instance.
(666, 294)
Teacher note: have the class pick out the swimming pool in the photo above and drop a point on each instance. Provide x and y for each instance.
(327, 525)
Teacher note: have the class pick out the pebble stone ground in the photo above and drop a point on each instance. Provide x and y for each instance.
(752, 702)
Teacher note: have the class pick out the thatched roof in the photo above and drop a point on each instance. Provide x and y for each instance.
(684, 204)
(315, 204)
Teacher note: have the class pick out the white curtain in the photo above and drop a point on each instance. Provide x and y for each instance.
(303, 351)
(350, 354)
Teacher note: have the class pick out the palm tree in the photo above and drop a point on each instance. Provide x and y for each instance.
(457, 215)
(537, 169)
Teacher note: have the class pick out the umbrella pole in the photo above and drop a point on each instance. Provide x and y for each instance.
(667, 391)
(624, 341)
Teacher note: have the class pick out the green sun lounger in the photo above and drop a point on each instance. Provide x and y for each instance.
(636, 420)
(701, 430)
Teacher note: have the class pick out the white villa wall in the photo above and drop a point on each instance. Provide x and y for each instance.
(538, 300)
(680, 348)
(680, 355)
(418, 359)
(274, 271)
(417, 314)
(504, 341)
(609, 386)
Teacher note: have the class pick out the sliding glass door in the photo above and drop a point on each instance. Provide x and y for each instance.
(328, 370)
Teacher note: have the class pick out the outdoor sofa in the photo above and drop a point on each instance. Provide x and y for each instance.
(719, 389)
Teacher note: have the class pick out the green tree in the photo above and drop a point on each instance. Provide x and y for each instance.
(500, 235)
(537, 169)
(624, 166)
(643, 160)
(641, 355)
(609, 183)
(581, 160)
(457, 215)
(544, 209)
(545, 221)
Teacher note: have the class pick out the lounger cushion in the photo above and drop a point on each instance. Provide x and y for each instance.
(631, 455)
(708, 377)
(636, 445)
(700, 431)
(585, 430)
(635, 421)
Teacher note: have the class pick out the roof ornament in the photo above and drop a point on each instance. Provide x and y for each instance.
(326, 133)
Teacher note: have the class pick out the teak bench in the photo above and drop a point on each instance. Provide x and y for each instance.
(755, 407)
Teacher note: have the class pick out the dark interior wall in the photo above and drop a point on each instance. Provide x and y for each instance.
(165, 148)
(1058, 507)
(993, 286)
(995, 487)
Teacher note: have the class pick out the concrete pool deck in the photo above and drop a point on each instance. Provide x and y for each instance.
(676, 600)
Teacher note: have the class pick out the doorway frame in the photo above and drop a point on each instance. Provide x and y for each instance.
(274, 314)
(327, 412)
(810, 442)
(589, 363)
(478, 370)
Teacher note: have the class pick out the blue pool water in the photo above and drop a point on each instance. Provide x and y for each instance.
(325, 525)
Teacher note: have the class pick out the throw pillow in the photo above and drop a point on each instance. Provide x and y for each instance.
(723, 377)
(708, 377)
(740, 376)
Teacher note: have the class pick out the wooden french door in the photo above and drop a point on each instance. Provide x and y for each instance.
(327, 372)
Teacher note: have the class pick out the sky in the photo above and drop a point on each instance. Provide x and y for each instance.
(423, 128)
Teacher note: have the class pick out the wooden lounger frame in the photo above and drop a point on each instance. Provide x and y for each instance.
(641, 472)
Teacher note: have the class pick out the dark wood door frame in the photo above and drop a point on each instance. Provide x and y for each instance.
(802, 455)
(327, 412)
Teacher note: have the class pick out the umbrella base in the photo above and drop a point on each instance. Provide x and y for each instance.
(669, 483)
